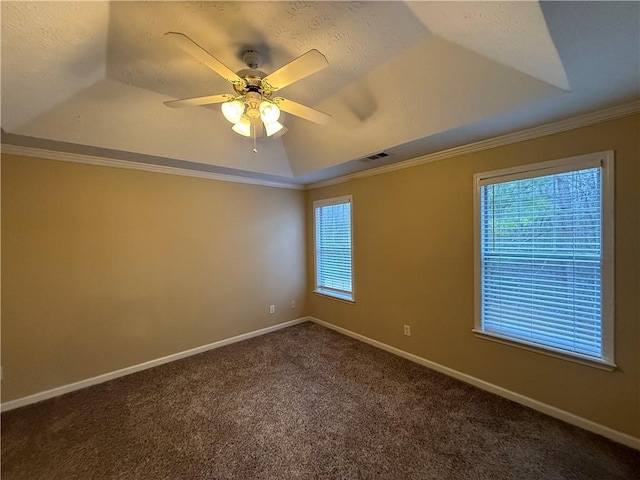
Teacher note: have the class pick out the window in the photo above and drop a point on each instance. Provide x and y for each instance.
(544, 257)
(332, 220)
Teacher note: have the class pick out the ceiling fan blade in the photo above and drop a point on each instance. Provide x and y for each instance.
(200, 54)
(302, 111)
(303, 66)
(195, 101)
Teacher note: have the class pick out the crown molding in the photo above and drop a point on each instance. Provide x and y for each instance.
(110, 162)
(528, 134)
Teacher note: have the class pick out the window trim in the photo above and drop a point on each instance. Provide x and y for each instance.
(318, 290)
(605, 160)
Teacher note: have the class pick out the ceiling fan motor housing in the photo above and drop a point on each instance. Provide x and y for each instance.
(252, 76)
(252, 81)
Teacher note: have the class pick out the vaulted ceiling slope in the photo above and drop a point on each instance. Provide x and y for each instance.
(409, 78)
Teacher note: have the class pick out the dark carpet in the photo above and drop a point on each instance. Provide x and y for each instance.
(303, 402)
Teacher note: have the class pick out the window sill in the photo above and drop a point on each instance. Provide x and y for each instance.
(332, 296)
(583, 360)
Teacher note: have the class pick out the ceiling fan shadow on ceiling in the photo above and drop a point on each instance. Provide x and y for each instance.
(254, 90)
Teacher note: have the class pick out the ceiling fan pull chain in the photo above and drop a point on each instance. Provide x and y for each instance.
(255, 150)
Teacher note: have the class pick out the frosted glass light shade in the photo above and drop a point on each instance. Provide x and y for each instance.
(243, 127)
(273, 127)
(269, 112)
(233, 110)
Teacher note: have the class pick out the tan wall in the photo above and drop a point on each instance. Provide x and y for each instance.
(413, 264)
(104, 268)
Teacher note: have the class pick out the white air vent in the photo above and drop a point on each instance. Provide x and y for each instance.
(375, 156)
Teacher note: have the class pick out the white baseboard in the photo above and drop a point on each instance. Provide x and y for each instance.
(55, 392)
(563, 415)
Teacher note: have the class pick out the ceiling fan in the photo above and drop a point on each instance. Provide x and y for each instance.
(254, 89)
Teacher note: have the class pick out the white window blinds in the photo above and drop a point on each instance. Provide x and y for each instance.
(333, 247)
(541, 256)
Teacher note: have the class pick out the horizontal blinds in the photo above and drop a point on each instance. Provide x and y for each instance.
(541, 258)
(333, 247)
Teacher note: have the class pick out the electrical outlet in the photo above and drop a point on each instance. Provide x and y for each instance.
(407, 330)
(272, 309)
(293, 304)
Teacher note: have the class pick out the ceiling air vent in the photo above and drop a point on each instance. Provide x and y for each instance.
(375, 156)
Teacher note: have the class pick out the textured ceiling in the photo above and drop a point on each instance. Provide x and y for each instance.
(513, 33)
(406, 77)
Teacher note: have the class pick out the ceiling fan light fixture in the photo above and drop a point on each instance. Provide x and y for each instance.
(233, 110)
(273, 127)
(269, 112)
(243, 127)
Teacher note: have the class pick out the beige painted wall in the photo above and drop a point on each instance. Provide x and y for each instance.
(413, 264)
(105, 268)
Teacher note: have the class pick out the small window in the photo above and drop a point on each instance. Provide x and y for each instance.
(332, 220)
(544, 257)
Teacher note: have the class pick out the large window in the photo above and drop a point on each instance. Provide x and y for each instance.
(332, 220)
(544, 257)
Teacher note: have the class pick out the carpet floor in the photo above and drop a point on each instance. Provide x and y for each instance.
(304, 402)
